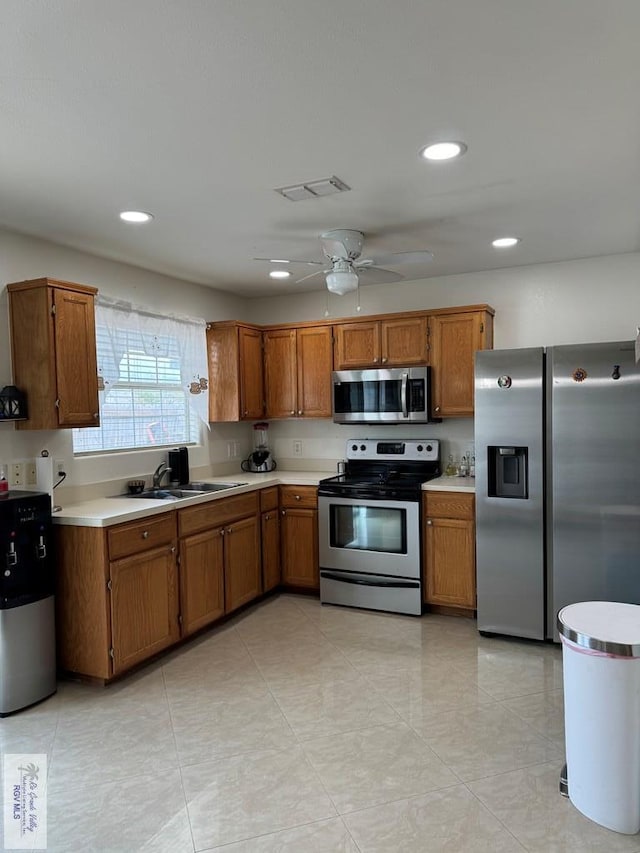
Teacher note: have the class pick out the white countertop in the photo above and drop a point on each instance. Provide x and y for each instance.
(103, 512)
(451, 484)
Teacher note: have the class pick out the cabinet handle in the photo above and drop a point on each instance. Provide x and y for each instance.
(145, 534)
(375, 360)
(222, 532)
(283, 512)
(437, 409)
(229, 529)
(267, 517)
(292, 412)
(299, 411)
(429, 522)
(246, 412)
(96, 415)
(173, 549)
(297, 497)
(384, 359)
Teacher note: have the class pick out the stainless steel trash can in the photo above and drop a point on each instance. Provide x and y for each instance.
(601, 657)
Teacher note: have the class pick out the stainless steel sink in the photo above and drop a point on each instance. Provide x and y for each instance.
(198, 486)
(189, 490)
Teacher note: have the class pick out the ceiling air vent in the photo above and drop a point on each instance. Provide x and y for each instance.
(313, 189)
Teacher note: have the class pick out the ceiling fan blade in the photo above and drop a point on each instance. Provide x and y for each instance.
(376, 275)
(291, 261)
(397, 258)
(311, 275)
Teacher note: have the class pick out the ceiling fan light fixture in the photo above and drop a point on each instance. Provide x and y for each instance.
(505, 242)
(341, 281)
(439, 151)
(279, 274)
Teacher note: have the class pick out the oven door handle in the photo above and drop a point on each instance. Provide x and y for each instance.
(362, 582)
(403, 395)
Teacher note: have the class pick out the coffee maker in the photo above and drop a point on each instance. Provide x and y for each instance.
(260, 460)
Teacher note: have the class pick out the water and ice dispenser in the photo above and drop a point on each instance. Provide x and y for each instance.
(507, 472)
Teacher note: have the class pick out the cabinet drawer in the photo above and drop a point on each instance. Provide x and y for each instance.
(449, 505)
(137, 536)
(214, 513)
(304, 496)
(269, 499)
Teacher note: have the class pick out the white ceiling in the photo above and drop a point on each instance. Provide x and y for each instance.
(196, 110)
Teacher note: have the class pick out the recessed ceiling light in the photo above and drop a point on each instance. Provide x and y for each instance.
(135, 216)
(278, 261)
(279, 274)
(505, 242)
(443, 150)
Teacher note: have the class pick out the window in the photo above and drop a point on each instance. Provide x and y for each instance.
(152, 392)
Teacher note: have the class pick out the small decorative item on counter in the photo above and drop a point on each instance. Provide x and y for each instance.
(135, 486)
(13, 404)
(463, 468)
(452, 469)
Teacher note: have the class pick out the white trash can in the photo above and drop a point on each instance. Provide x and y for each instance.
(601, 657)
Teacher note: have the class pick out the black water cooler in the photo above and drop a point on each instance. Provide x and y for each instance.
(27, 623)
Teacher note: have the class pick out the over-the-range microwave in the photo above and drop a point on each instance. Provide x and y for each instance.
(386, 395)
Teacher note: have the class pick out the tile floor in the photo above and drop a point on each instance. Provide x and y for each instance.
(298, 728)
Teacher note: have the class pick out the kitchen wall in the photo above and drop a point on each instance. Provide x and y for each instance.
(587, 300)
(595, 299)
(24, 257)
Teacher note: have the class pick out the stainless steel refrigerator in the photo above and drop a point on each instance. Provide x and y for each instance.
(557, 441)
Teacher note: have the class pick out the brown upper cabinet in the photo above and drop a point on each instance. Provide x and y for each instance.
(53, 349)
(454, 339)
(391, 342)
(236, 388)
(298, 364)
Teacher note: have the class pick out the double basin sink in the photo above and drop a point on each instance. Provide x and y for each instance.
(190, 490)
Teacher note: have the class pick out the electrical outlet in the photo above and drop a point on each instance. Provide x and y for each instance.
(297, 447)
(236, 449)
(16, 474)
(31, 473)
(230, 449)
(60, 467)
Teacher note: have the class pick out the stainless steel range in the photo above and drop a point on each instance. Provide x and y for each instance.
(369, 525)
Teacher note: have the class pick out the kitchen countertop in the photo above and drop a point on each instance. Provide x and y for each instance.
(451, 484)
(103, 512)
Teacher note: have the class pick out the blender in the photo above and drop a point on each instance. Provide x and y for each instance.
(260, 460)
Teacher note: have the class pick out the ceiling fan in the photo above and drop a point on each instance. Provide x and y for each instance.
(342, 248)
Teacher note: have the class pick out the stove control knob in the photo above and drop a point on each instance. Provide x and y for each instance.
(429, 447)
(420, 448)
(363, 447)
(354, 446)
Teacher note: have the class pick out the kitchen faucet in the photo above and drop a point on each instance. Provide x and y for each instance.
(159, 473)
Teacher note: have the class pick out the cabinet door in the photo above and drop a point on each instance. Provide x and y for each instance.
(76, 364)
(144, 606)
(270, 550)
(450, 556)
(454, 340)
(280, 373)
(315, 362)
(242, 582)
(201, 579)
(357, 345)
(251, 374)
(299, 543)
(404, 341)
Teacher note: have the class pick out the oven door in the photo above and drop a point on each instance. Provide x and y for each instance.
(369, 536)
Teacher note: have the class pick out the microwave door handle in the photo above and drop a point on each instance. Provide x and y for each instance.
(403, 395)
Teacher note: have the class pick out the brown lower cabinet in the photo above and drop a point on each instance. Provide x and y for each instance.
(242, 581)
(270, 539)
(449, 566)
(299, 536)
(201, 579)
